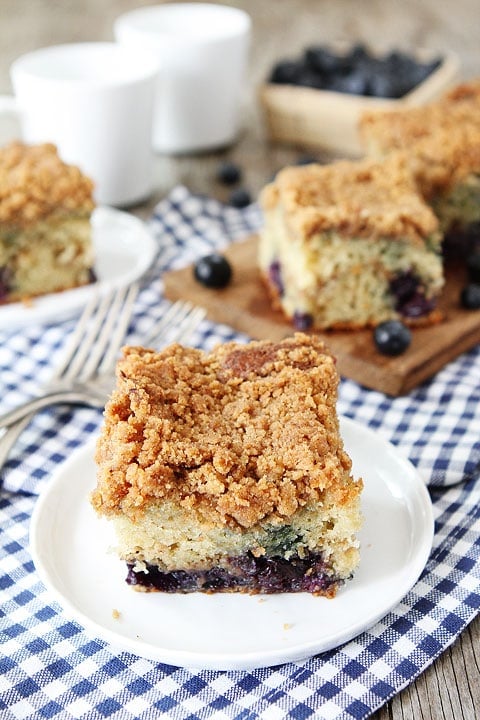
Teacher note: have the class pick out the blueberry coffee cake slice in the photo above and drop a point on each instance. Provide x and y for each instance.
(349, 245)
(45, 229)
(225, 471)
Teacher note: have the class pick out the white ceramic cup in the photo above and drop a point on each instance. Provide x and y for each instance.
(95, 102)
(202, 51)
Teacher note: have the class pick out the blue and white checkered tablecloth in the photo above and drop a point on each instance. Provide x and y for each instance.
(50, 667)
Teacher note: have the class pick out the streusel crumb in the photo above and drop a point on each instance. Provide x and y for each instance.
(246, 433)
(35, 182)
(442, 138)
(354, 198)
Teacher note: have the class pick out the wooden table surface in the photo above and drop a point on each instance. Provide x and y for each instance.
(450, 688)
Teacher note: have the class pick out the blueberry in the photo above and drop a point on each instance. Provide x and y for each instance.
(355, 83)
(403, 286)
(275, 276)
(322, 60)
(309, 78)
(392, 337)
(240, 198)
(358, 56)
(228, 173)
(213, 271)
(285, 72)
(417, 306)
(302, 320)
(383, 86)
(473, 267)
(470, 296)
(409, 298)
(306, 160)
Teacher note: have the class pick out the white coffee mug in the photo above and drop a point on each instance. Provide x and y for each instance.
(95, 102)
(202, 51)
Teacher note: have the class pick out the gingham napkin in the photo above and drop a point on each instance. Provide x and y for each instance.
(50, 667)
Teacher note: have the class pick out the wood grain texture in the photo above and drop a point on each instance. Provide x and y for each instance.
(245, 306)
(450, 688)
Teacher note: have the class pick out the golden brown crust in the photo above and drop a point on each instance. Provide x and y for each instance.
(442, 138)
(365, 198)
(35, 182)
(245, 434)
(437, 172)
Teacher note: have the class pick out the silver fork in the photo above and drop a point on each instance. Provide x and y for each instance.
(91, 352)
(183, 317)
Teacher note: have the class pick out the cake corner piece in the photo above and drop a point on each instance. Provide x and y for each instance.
(46, 241)
(226, 472)
(350, 244)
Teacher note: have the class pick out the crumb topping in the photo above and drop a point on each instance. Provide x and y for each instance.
(243, 434)
(437, 172)
(366, 198)
(35, 182)
(442, 138)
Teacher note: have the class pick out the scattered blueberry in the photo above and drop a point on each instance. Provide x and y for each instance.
(473, 267)
(470, 296)
(240, 198)
(228, 173)
(213, 271)
(392, 337)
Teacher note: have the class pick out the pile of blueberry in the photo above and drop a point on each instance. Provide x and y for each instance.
(357, 72)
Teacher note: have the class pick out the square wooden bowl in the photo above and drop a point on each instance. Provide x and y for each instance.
(329, 120)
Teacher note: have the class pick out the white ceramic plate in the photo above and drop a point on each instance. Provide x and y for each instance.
(124, 250)
(71, 550)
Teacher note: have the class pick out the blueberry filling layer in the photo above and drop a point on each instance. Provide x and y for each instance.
(409, 298)
(263, 574)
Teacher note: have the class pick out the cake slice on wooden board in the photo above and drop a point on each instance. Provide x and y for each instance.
(349, 245)
(442, 143)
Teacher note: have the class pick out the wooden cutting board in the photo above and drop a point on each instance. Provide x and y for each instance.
(244, 306)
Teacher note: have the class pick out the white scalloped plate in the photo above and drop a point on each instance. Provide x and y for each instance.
(70, 548)
(124, 250)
